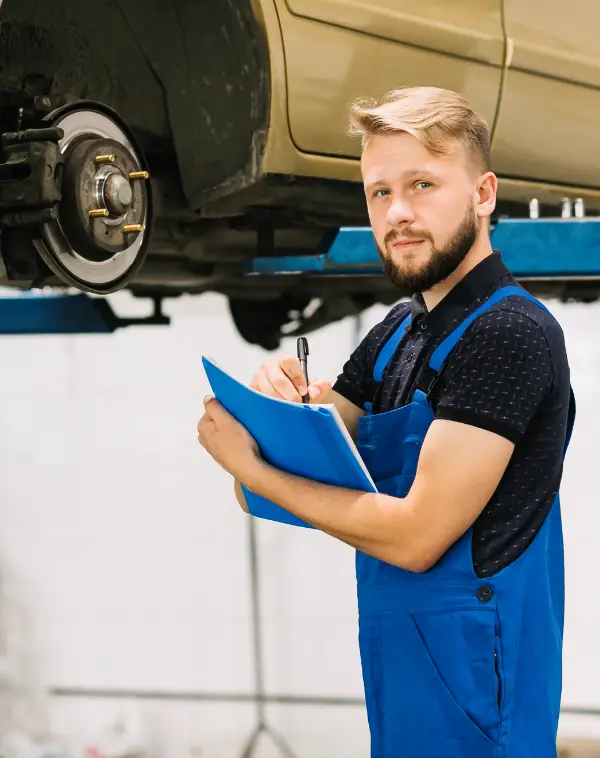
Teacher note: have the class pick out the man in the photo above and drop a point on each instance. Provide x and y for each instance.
(461, 405)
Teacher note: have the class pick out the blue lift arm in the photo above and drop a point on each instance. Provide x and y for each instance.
(531, 248)
(30, 313)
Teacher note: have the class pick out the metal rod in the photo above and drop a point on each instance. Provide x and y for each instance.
(50, 134)
(534, 208)
(261, 725)
(241, 697)
(566, 207)
(580, 711)
(252, 742)
(210, 697)
(256, 625)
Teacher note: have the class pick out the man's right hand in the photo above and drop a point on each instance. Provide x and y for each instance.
(284, 379)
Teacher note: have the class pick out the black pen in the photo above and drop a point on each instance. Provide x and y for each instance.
(302, 348)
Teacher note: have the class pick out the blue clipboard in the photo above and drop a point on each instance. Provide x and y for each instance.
(307, 440)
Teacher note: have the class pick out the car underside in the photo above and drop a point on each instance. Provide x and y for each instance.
(132, 158)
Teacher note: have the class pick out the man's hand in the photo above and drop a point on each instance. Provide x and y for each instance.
(229, 443)
(284, 379)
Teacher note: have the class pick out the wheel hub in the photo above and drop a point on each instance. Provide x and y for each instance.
(100, 235)
(117, 193)
(101, 205)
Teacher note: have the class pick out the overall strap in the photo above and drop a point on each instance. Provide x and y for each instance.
(429, 374)
(389, 348)
(445, 348)
(385, 355)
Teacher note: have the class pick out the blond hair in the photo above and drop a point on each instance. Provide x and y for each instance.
(436, 117)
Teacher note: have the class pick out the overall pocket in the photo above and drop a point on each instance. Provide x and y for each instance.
(439, 686)
(462, 647)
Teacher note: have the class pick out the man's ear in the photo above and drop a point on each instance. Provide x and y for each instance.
(487, 189)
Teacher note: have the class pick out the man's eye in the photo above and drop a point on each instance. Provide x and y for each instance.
(425, 184)
(377, 192)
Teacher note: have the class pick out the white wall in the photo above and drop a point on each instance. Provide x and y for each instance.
(130, 554)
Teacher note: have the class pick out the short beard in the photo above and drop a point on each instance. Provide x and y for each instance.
(440, 265)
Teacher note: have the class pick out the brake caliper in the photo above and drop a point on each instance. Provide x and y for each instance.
(30, 176)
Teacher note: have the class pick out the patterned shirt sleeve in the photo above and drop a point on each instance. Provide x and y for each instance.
(498, 375)
(352, 383)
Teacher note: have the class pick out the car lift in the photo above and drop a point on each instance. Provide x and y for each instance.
(565, 248)
(532, 248)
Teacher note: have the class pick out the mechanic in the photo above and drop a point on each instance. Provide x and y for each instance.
(461, 404)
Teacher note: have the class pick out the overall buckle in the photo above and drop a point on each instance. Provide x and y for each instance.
(427, 381)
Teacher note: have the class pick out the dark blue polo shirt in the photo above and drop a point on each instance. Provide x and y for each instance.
(508, 374)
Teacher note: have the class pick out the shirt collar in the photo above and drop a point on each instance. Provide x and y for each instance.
(472, 287)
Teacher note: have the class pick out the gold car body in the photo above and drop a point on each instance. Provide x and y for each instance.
(532, 69)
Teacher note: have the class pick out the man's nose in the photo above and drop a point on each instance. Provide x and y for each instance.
(399, 212)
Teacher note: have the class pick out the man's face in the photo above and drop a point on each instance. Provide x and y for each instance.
(421, 208)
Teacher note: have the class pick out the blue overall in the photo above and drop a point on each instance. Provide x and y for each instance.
(455, 666)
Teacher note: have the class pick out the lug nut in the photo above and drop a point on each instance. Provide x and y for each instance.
(139, 175)
(105, 159)
(98, 212)
(130, 228)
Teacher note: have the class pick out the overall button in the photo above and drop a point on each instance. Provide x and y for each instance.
(485, 594)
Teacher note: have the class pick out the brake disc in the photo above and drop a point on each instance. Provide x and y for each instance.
(100, 236)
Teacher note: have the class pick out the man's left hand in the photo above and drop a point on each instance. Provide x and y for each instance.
(229, 443)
